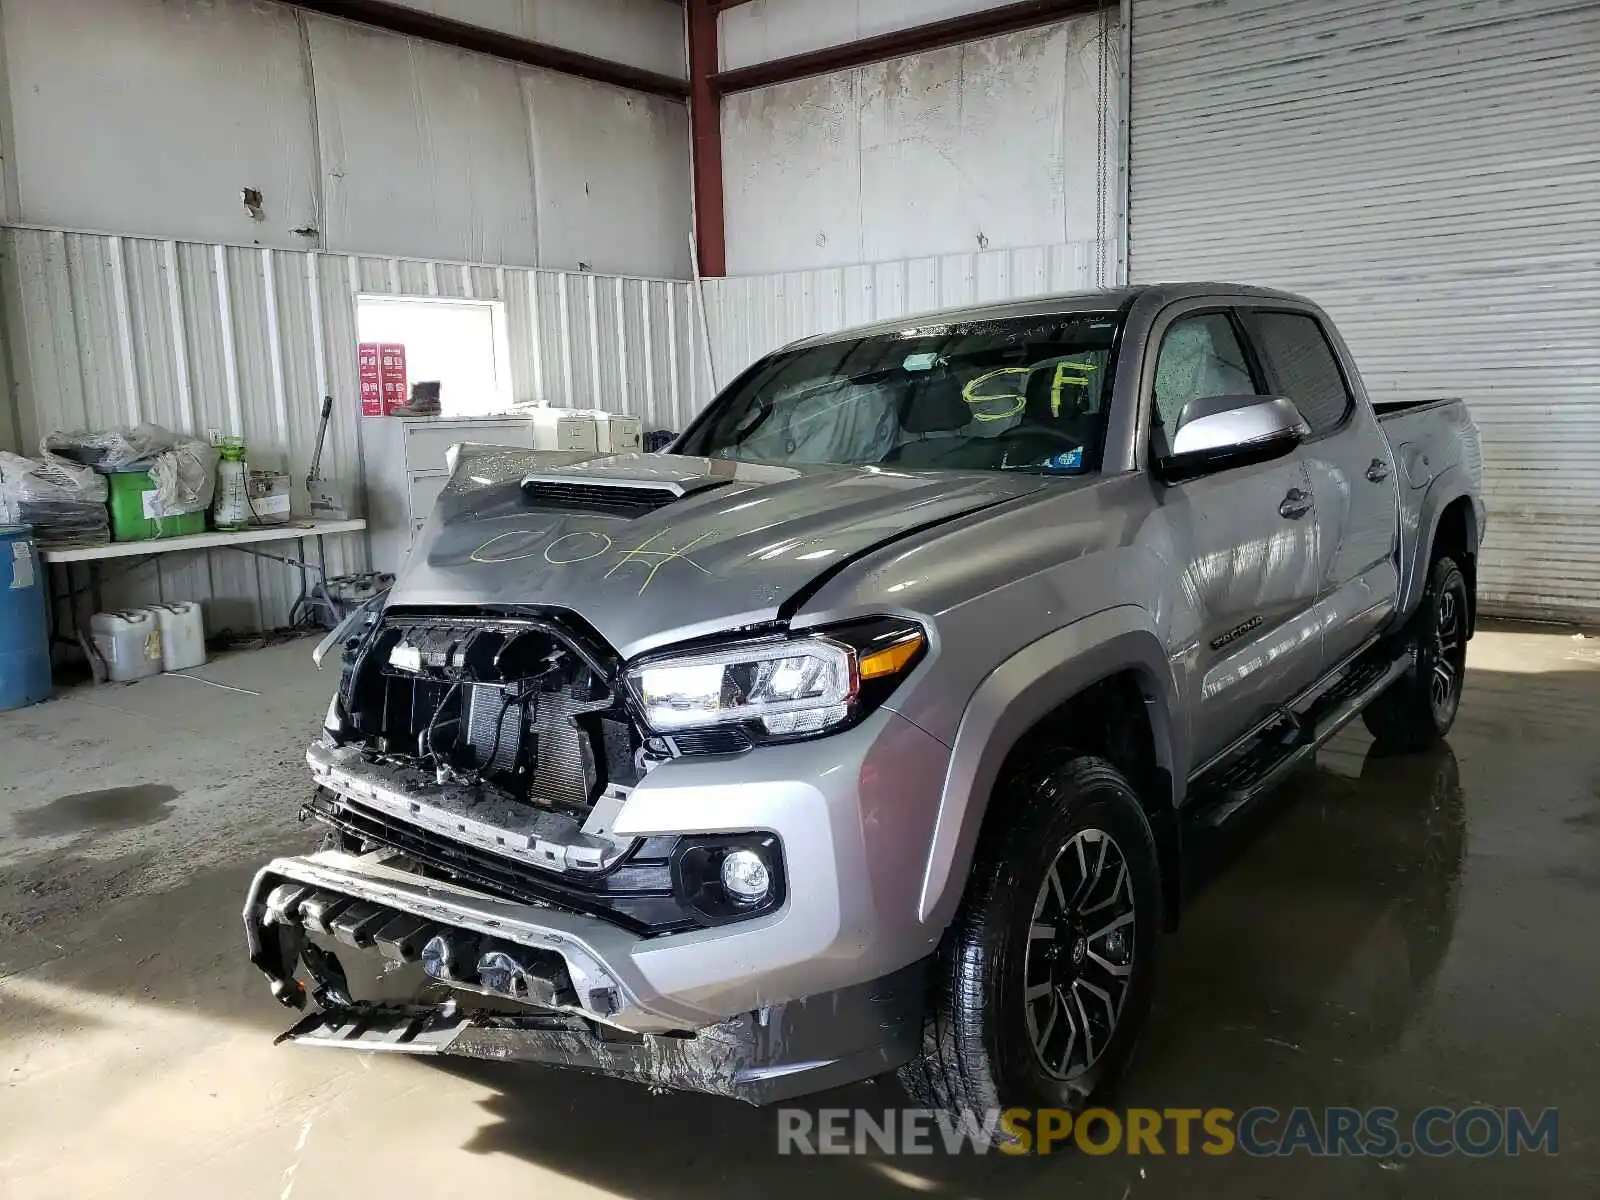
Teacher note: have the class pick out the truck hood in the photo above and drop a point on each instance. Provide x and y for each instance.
(653, 549)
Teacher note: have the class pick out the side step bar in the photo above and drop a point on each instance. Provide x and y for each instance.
(1224, 791)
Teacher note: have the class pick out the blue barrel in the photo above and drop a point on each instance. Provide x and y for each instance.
(24, 633)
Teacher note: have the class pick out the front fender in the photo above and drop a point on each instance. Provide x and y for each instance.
(1013, 698)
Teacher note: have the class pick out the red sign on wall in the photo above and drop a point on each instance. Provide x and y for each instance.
(382, 370)
(371, 380)
(392, 372)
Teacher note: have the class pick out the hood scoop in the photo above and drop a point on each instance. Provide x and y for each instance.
(612, 497)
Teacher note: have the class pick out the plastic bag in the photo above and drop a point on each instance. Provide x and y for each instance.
(63, 501)
(184, 477)
(111, 449)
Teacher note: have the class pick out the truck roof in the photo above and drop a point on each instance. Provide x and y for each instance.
(1099, 300)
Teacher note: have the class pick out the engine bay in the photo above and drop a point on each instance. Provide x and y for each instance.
(514, 702)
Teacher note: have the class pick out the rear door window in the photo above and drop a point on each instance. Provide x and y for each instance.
(1297, 355)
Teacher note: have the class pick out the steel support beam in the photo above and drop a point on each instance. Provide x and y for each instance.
(705, 137)
(989, 23)
(397, 18)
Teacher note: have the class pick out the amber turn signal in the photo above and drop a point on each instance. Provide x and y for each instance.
(891, 660)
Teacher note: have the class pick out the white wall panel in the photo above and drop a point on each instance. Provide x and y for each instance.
(768, 29)
(753, 315)
(107, 331)
(1430, 172)
(611, 176)
(151, 116)
(989, 145)
(640, 33)
(424, 148)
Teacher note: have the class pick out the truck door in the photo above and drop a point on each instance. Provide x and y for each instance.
(1245, 541)
(1352, 473)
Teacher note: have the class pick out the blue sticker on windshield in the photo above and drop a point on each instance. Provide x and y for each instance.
(1070, 460)
(920, 362)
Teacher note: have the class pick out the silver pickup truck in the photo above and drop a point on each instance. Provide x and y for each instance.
(879, 724)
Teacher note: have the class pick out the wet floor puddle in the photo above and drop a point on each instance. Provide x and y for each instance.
(107, 809)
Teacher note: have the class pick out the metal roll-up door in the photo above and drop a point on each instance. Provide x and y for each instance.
(1429, 171)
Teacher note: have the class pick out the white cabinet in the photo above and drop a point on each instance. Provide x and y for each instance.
(404, 463)
(618, 434)
(565, 429)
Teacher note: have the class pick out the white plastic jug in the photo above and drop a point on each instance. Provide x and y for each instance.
(183, 635)
(129, 642)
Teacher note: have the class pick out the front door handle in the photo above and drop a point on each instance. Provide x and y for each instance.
(1295, 505)
(1378, 471)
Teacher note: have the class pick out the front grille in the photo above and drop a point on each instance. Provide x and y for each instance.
(636, 894)
(597, 498)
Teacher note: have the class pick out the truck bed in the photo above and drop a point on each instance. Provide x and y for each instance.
(1389, 408)
(1437, 453)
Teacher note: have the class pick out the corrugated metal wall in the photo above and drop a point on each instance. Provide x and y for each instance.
(753, 314)
(106, 331)
(1430, 172)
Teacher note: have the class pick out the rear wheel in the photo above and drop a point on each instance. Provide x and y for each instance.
(1419, 707)
(1043, 981)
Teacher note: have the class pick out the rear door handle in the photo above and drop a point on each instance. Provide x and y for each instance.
(1378, 471)
(1295, 505)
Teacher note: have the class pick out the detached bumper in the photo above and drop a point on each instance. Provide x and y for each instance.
(578, 998)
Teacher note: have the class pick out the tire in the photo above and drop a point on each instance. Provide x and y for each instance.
(1418, 709)
(990, 1040)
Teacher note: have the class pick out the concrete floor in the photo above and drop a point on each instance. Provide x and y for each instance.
(1403, 933)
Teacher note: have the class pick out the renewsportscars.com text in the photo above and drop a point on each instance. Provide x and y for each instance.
(1263, 1132)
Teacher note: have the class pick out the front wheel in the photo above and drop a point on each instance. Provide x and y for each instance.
(1418, 708)
(1043, 982)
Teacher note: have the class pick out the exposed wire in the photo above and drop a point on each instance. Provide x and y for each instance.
(426, 743)
(500, 724)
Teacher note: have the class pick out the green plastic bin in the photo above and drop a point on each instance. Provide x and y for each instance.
(131, 493)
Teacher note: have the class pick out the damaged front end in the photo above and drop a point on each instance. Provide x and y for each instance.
(542, 993)
(470, 776)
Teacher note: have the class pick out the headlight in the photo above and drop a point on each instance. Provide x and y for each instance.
(779, 688)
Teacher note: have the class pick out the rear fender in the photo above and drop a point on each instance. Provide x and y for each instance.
(1010, 701)
(1449, 486)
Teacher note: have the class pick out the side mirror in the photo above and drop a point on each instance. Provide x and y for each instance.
(1218, 432)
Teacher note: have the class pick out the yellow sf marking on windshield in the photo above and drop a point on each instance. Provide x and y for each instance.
(1067, 372)
(973, 400)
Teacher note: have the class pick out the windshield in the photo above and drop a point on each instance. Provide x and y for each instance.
(1018, 394)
